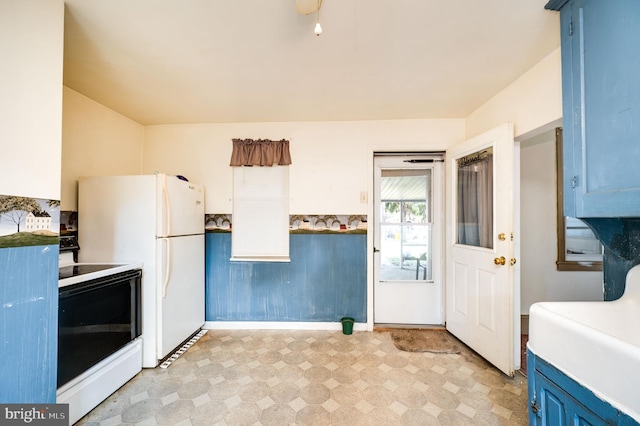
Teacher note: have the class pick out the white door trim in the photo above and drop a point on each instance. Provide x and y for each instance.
(407, 301)
(372, 149)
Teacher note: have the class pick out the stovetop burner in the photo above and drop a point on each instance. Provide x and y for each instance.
(82, 269)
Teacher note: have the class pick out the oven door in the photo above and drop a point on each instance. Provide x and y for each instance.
(95, 319)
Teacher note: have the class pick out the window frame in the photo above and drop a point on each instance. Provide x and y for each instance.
(562, 263)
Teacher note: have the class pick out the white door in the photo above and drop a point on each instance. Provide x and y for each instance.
(181, 290)
(480, 285)
(181, 209)
(408, 286)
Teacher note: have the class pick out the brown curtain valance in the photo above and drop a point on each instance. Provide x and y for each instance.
(261, 152)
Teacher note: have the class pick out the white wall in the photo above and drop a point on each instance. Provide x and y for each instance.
(96, 141)
(540, 281)
(532, 101)
(31, 46)
(331, 160)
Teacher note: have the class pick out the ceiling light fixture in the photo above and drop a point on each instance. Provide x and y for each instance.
(318, 29)
(307, 7)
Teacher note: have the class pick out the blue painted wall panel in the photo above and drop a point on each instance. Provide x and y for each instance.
(325, 281)
(28, 324)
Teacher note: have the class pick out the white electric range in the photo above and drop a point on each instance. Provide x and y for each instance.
(99, 329)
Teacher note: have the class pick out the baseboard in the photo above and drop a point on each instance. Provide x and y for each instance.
(295, 325)
(279, 325)
(524, 324)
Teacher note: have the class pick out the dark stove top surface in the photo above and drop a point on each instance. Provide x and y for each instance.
(82, 269)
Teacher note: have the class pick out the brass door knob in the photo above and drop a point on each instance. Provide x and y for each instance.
(500, 260)
(513, 261)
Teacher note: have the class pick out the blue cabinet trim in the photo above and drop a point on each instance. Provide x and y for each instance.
(621, 239)
(555, 4)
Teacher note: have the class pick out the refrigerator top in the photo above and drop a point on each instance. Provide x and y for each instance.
(181, 207)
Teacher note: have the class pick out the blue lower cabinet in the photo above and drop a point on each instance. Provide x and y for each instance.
(559, 408)
(557, 400)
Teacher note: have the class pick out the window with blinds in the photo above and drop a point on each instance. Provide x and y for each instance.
(260, 214)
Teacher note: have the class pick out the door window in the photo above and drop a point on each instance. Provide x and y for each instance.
(405, 224)
(475, 199)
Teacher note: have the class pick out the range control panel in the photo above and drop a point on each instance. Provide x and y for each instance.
(69, 243)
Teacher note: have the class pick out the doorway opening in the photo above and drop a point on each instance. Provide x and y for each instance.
(408, 197)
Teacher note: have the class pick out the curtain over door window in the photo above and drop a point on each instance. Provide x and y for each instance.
(475, 199)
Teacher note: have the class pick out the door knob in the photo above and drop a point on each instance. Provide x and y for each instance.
(513, 261)
(500, 260)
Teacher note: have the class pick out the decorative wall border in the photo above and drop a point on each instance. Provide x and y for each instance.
(298, 222)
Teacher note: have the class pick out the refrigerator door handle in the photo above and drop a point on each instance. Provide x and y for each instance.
(167, 268)
(167, 204)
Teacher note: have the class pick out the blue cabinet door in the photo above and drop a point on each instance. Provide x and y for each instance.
(601, 107)
(558, 408)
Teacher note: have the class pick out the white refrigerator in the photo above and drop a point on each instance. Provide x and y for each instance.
(157, 220)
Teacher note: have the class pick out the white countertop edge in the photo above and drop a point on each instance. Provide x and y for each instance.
(118, 268)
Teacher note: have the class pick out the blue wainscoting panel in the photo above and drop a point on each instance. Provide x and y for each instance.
(28, 324)
(325, 281)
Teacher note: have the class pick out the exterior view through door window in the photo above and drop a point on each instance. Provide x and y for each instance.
(475, 199)
(406, 225)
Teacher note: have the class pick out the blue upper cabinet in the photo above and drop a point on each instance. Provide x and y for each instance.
(601, 106)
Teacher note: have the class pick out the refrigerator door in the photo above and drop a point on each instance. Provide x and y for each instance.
(180, 292)
(180, 208)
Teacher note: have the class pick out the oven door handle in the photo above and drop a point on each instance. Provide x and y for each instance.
(167, 268)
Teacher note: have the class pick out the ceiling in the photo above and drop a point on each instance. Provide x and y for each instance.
(226, 61)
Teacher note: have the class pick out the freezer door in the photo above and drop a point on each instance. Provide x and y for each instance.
(181, 207)
(181, 290)
(118, 218)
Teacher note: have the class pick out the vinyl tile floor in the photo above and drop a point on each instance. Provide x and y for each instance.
(292, 377)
